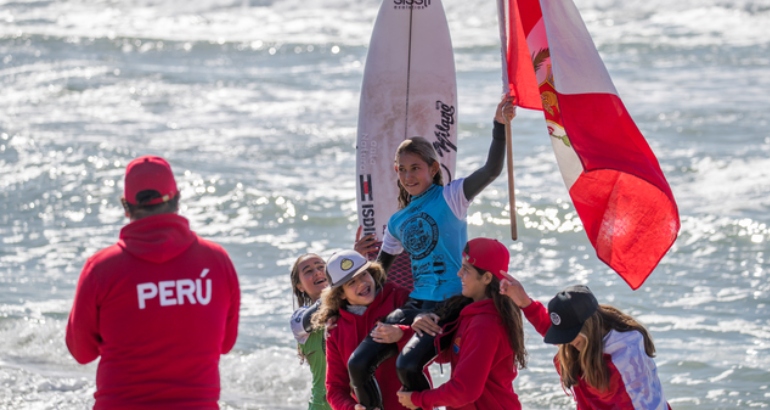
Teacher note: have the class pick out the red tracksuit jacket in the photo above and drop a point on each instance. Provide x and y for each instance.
(344, 339)
(159, 307)
(634, 382)
(482, 365)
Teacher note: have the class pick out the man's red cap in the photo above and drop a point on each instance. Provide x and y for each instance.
(488, 255)
(149, 173)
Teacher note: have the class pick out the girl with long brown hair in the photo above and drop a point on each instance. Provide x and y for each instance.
(605, 356)
(488, 347)
(308, 280)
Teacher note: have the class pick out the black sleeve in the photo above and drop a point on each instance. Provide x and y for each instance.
(385, 259)
(484, 176)
(307, 316)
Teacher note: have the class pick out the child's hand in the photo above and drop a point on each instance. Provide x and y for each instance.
(426, 323)
(405, 398)
(330, 324)
(365, 245)
(513, 289)
(384, 333)
(361, 407)
(506, 111)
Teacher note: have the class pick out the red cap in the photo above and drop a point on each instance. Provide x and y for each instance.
(149, 173)
(488, 255)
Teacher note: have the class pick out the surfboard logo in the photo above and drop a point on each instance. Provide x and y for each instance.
(367, 219)
(410, 4)
(443, 131)
(367, 209)
(420, 235)
(365, 187)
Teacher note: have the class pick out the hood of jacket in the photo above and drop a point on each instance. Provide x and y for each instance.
(157, 238)
(482, 307)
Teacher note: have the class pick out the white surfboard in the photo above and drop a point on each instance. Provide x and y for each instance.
(409, 89)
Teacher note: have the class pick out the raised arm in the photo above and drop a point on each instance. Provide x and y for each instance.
(484, 176)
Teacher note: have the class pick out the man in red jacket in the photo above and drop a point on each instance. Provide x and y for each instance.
(159, 307)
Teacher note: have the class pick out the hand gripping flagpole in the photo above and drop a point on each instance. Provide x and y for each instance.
(502, 20)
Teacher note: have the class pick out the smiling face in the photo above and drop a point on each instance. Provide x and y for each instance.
(474, 284)
(360, 290)
(312, 276)
(414, 173)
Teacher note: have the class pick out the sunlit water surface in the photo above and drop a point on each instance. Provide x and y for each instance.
(254, 102)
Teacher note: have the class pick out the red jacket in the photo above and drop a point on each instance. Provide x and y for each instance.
(634, 382)
(159, 307)
(344, 339)
(482, 365)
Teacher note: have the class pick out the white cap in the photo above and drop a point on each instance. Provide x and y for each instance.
(344, 265)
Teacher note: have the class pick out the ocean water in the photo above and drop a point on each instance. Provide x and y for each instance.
(254, 102)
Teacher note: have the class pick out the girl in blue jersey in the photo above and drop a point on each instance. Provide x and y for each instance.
(430, 225)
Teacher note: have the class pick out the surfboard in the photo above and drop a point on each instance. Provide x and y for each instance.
(409, 89)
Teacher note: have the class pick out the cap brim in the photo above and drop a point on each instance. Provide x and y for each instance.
(560, 336)
(352, 275)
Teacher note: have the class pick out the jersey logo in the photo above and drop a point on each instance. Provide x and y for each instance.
(420, 234)
(176, 292)
(456, 345)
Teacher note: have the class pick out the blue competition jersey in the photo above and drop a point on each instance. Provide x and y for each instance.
(434, 237)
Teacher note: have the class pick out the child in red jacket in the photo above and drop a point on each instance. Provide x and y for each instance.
(488, 346)
(358, 299)
(605, 356)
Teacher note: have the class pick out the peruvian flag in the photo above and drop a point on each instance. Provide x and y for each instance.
(613, 178)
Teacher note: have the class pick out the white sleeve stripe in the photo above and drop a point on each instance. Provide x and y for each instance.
(390, 244)
(455, 198)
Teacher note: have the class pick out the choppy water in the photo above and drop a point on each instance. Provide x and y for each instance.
(254, 102)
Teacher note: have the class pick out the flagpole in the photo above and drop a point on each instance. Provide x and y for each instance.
(502, 20)
(511, 193)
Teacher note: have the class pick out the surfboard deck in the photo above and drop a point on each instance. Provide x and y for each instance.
(409, 89)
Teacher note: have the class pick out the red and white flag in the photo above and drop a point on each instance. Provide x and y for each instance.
(613, 177)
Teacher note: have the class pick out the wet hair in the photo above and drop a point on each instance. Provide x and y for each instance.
(140, 211)
(332, 302)
(303, 299)
(421, 147)
(589, 363)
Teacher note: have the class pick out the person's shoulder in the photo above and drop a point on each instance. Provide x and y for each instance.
(454, 184)
(624, 343)
(297, 327)
(201, 244)
(106, 255)
(299, 313)
(208, 243)
(399, 293)
(484, 319)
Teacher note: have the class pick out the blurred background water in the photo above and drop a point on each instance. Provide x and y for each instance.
(254, 103)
